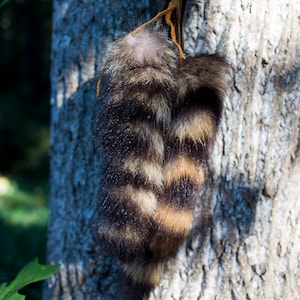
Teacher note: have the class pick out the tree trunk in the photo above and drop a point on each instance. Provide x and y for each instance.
(245, 239)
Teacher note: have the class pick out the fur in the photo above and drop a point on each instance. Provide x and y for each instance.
(133, 119)
(194, 123)
(156, 125)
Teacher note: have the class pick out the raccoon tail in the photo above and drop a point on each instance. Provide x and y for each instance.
(203, 86)
(137, 88)
(156, 124)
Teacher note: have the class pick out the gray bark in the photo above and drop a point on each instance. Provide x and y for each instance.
(245, 240)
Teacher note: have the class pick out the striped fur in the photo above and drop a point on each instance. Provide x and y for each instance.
(195, 118)
(134, 116)
(156, 124)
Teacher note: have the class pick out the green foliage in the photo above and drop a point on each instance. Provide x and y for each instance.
(19, 206)
(32, 272)
(23, 227)
(25, 34)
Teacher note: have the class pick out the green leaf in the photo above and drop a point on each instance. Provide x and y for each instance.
(32, 272)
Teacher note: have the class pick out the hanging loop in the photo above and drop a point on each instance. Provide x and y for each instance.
(174, 19)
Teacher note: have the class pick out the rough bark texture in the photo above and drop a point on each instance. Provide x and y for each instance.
(245, 242)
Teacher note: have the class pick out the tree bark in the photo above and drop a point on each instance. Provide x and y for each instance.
(245, 239)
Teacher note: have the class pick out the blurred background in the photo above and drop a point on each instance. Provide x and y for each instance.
(25, 37)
